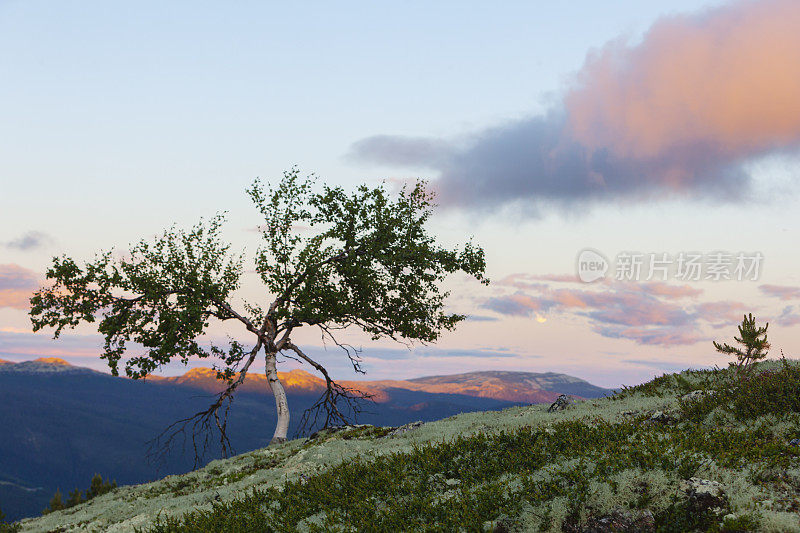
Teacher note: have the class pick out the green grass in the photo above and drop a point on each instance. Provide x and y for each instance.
(551, 478)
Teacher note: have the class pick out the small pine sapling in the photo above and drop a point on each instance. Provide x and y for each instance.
(750, 337)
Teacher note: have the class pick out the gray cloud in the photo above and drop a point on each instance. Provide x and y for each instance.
(397, 353)
(651, 336)
(15, 277)
(534, 163)
(481, 318)
(418, 152)
(667, 366)
(29, 241)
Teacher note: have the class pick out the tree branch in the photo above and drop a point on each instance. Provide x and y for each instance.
(329, 402)
(351, 351)
(358, 250)
(244, 320)
(203, 423)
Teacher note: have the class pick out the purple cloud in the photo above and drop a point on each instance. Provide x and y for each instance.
(788, 317)
(784, 292)
(647, 313)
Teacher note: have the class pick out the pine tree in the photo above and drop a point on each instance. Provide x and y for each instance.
(74, 498)
(98, 487)
(755, 347)
(56, 504)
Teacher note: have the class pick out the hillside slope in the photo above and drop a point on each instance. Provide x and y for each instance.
(63, 423)
(659, 455)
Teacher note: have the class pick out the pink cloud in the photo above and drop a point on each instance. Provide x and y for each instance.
(725, 80)
(16, 286)
(723, 313)
(559, 278)
(678, 113)
(784, 292)
(520, 281)
(669, 336)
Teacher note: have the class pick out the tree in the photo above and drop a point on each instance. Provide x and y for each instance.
(98, 487)
(328, 260)
(75, 498)
(56, 503)
(755, 347)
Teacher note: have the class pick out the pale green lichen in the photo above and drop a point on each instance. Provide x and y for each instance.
(765, 493)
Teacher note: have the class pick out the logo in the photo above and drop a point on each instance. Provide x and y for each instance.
(591, 265)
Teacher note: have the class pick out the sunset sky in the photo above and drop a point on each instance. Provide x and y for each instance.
(627, 128)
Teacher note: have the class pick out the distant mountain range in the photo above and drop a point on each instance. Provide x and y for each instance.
(60, 424)
(517, 387)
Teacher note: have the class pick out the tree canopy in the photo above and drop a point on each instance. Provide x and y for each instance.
(328, 259)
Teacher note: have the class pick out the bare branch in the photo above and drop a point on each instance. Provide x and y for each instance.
(337, 406)
(202, 424)
(351, 351)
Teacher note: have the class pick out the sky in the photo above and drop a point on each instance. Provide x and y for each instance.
(573, 141)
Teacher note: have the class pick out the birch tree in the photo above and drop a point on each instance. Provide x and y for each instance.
(328, 259)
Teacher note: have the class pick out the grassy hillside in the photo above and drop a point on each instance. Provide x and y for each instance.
(62, 424)
(656, 457)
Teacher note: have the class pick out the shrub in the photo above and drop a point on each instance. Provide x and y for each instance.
(768, 392)
(775, 392)
(96, 487)
(5, 527)
(56, 503)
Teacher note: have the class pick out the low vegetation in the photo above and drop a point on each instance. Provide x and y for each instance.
(562, 476)
(96, 487)
(5, 527)
(714, 450)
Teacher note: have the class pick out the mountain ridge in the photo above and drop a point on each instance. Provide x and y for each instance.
(530, 387)
(515, 386)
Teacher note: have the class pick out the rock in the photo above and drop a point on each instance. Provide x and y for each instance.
(697, 394)
(705, 494)
(502, 525)
(324, 432)
(622, 521)
(561, 403)
(661, 417)
(405, 428)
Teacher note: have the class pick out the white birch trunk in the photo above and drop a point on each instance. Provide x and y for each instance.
(281, 405)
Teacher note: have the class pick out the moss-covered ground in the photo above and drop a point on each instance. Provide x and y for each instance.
(522, 469)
